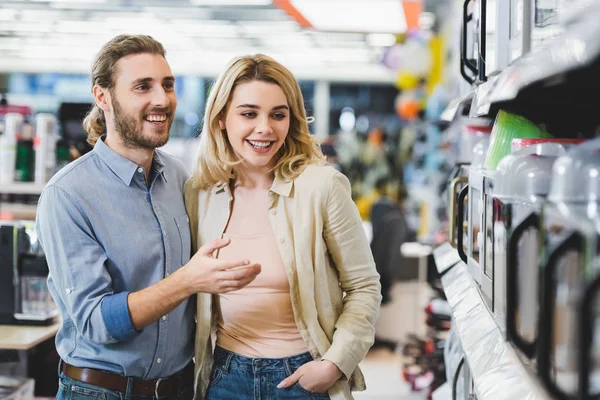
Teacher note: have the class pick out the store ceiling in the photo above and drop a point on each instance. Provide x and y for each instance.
(200, 35)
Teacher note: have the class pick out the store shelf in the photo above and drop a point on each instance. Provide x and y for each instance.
(21, 337)
(556, 85)
(497, 371)
(20, 211)
(445, 257)
(21, 188)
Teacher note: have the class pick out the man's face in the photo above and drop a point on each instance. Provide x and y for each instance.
(143, 100)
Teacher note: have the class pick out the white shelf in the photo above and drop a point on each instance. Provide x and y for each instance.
(18, 209)
(21, 188)
(497, 371)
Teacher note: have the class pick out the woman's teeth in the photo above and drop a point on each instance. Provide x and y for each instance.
(260, 145)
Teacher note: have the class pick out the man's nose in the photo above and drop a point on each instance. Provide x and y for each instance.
(160, 97)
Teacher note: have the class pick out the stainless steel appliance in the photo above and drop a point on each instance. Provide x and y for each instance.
(24, 294)
(569, 317)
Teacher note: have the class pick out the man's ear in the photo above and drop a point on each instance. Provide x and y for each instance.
(101, 97)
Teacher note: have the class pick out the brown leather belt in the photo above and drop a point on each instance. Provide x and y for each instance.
(155, 387)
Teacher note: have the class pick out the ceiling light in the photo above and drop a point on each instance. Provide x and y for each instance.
(70, 1)
(8, 14)
(231, 2)
(206, 28)
(353, 15)
(381, 39)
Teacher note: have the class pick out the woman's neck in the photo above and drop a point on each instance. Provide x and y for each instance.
(254, 178)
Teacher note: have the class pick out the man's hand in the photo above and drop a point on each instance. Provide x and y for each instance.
(209, 275)
(314, 376)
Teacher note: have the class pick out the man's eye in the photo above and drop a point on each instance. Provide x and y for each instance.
(142, 87)
(169, 86)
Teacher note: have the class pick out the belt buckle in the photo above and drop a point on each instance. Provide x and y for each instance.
(158, 381)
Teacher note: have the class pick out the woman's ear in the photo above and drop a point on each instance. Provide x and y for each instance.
(221, 124)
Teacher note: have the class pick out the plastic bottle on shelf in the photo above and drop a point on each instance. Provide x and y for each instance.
(13, 123)
(62, 154)
(45, 147)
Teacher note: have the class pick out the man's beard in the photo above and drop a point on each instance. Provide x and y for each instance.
(131, 131)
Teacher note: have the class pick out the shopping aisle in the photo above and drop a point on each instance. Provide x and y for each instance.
(383, 374)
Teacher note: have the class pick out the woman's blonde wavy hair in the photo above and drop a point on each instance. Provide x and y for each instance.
(216, 157)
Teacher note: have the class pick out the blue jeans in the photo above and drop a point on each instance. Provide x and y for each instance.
(243, 378)
(71, 389)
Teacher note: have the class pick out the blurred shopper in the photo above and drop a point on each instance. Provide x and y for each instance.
(390, 230)
(115, 232)
(261, 182)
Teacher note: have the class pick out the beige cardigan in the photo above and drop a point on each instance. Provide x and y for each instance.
(334, 286)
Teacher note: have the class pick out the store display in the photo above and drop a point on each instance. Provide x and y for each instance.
(24, 296)
(16, 388)
(506, 128)
(13, 124)
(572, 232)
(45, 147)
(518, 144)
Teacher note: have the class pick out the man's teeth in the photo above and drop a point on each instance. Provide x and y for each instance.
(156, 118)
(260, 145)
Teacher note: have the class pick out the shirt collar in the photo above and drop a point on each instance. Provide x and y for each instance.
(279, 186)
(125, 169)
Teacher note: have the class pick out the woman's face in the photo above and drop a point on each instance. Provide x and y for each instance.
(257, 121)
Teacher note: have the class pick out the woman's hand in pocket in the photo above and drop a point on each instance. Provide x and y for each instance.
(314, 376)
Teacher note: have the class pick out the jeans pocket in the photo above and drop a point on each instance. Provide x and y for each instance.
(311, 394)
(63, 391)
(215, 376)
(82, 392)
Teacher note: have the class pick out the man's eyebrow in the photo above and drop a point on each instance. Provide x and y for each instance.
(142, 80)
(148, 80)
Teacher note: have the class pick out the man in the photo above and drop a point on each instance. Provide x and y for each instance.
(114, 229)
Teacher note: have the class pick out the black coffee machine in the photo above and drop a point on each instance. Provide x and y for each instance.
(24, 295)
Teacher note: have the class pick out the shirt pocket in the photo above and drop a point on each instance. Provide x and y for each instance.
(183, 228)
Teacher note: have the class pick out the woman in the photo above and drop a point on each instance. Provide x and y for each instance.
(302, 326)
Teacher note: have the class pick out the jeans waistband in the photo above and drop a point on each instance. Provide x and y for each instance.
(226, 359)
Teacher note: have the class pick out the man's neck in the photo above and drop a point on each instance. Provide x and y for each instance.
(140, 156)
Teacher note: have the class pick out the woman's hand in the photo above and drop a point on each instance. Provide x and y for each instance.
(314, 376)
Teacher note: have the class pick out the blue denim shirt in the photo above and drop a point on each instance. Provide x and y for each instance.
(106, 234)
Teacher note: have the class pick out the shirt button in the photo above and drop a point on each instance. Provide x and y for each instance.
(271, 194)
(140, 170)
(164, 318)
(273, 212)
(158, 361)
(281, 240)
(164, 233)
(68, 291)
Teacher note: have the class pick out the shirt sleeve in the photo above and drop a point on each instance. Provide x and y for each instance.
(349, 249)
(76, 262)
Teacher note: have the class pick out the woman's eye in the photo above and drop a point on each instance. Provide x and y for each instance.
(249, 114)
(279, 117)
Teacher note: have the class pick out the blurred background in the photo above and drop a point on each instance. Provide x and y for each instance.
(413, 100)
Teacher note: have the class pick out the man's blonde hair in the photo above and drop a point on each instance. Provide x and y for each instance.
(216, 157)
